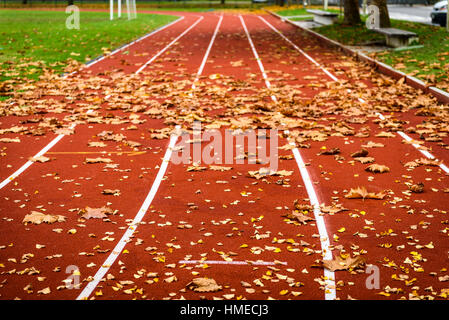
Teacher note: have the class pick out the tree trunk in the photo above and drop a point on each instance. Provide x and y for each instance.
(384, 17)
(222, 1)
(352, 14)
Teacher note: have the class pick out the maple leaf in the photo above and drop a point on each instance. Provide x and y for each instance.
(302, 218)
(362, 193)
(302, 207)
(96, 213)
(204, 285)
(429, 162)
(377, 168)
(36, 217)
(365, 160)
(340, 263)
(333, 209)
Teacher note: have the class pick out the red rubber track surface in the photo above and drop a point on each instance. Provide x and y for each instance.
(214, 215)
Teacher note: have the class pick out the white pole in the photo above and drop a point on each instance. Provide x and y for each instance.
(134, 9)
(111, 9)
(127, 9)
(119, 8)
(325, 4)
(447, 16)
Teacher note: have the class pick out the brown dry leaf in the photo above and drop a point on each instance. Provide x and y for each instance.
(9, 140)
(97, 144)
(219, 168)
(195, 168)
(98, 160)
(360, 153)
(417, 188)
(340, 263)
(204, 285)
(64, 131)
(115, 192)
(333, 209)
(302, 218)
(365, 160)
(301, 206)
(377, 168)
(238, 63)
(44, 291)
(159, 136)
(330, 151)
(40, 159)
(362, 193)
(36, 217)
(96, 213)
(371, 144)
(385, 134)
(263, 172)
(429, 162)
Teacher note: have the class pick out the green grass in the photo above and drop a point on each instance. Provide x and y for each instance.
(31, 41)
(429, 63)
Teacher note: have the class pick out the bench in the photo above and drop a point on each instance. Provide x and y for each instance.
(397, 38)
(323, 17)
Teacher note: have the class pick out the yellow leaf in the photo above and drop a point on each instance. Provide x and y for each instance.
(283, 292)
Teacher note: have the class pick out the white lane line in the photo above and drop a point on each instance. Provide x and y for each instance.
(256, 55)
(125, 46)
(330, 292)
(169, 45)
(333, 77)
(299, 49)
(203, 63)
(135, 223)
(256, 263)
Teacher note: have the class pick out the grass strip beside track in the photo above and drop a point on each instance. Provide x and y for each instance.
(33, 40)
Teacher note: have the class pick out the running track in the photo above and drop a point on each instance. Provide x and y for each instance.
(171, 225)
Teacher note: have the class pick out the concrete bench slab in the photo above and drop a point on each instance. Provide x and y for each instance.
(397, 38)
(323, 17)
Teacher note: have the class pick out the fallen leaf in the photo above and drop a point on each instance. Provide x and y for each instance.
(38, 217)
(377, 168)
(362, 193)
(340, 263)
(204, 285)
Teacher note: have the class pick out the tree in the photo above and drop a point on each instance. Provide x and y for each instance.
(384, 17)
(352, 14)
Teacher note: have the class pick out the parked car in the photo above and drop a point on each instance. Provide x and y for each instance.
(439, 13)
